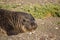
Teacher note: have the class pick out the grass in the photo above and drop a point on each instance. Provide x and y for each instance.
(38, 11)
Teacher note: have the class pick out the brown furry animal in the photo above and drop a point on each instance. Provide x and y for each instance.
(16, 22)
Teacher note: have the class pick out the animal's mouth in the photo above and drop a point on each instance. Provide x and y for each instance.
(32, 32)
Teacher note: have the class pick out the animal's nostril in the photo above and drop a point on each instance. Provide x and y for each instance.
(34, 25)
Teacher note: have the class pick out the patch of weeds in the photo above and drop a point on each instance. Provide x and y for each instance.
(58, 22)
(5, 6)
(37, 10)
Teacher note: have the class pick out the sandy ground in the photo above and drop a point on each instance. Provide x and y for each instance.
(48, 29)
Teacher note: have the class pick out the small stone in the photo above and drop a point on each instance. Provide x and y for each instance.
(56, 28)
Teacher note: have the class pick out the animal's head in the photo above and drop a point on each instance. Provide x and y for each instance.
(28, 23)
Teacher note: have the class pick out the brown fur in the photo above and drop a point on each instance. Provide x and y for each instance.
(16, 22)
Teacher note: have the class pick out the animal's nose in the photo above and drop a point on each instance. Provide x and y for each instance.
(34, 25)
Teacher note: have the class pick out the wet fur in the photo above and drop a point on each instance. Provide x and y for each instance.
(16, 22)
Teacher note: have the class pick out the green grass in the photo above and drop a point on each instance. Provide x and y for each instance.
(38, 11)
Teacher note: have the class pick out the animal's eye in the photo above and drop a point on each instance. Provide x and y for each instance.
(24, 20)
